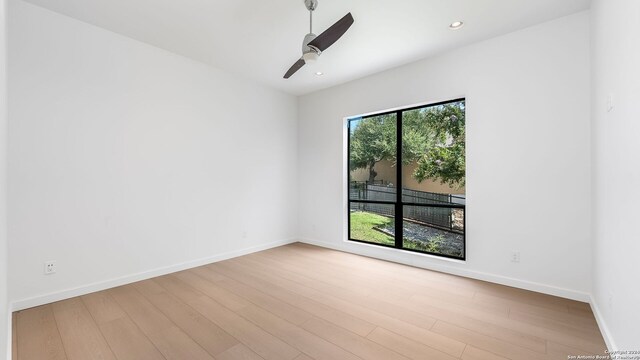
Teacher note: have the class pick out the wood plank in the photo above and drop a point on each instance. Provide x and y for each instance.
(270, 285)
(172, 342)
(523, 298)
(581, 311)
(580, 306)
(317, 281)
(295, 336)
(396, 273)
(346, 279)
(102, 307)
(346, 273)
(511, 330)
(286, 264)
(128, 342)
(407, 347)
(559, 324)
(204, 272)
(38, 336)
(464, 307)
(217, 293)
(207, 334)
(579, 320)
(447, 283)
(576, 320)
(255, 338)
(438, 292)
(280, 308)
(521, 334)
(480, 322)
(360, 346)
(14, 336)
(80, 335)
(488, 343)
(358, 283)
(239, 352)
(303, 357)
(473, 353)
(383, 316)
(561, 351)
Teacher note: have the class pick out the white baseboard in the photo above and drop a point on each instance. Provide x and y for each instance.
(107, 284)
(375, 252)
(608, 339)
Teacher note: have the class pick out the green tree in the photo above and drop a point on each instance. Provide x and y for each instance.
(372, 140)
(433, 137)
(444, 157)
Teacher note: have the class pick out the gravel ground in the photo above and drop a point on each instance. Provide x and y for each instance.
(451, 243)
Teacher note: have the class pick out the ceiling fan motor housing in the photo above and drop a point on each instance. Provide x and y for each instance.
(311, 4)
(305, 44)
(309, 53)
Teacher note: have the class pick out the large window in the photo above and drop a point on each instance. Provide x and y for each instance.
(420, 151)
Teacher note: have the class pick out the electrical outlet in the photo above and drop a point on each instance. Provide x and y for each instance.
(610, 103)
(244, 234)
(515, 256)
(50, 267)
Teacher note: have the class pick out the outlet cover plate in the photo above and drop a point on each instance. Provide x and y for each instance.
(50, 267)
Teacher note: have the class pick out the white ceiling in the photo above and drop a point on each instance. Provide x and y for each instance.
(261, 39)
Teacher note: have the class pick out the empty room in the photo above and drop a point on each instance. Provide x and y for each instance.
(319, 179)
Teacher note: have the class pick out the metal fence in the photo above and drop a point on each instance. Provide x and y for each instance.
(442, 217)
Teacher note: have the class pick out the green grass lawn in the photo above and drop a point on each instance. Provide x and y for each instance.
(362, 227)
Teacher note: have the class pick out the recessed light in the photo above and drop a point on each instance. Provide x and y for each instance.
(456, 25)
(319, 73)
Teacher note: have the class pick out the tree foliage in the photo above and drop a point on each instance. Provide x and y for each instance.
(373, 140)
(433, 138)
(444, 158)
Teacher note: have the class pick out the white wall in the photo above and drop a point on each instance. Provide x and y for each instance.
(616, 170)
(4, 307)
(528, 157)
(124, 159)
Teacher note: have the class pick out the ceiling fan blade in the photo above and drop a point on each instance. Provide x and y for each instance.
(294, 68)
(332, 34)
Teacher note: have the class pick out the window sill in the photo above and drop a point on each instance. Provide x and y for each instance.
(393, 250)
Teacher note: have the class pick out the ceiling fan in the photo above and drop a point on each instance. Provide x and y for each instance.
(312, 45)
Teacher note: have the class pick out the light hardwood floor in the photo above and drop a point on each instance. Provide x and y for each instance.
(300, 302)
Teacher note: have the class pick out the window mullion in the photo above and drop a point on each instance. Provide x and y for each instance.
(398, 211)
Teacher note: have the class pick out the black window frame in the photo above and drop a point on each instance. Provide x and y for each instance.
(398, 203)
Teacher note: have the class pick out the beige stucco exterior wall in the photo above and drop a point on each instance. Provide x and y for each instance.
(387, 172)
